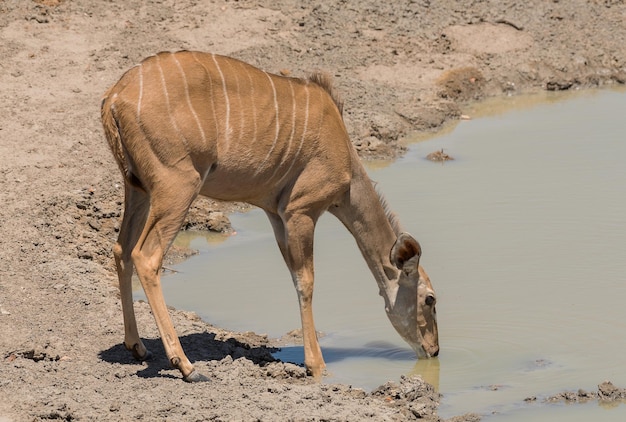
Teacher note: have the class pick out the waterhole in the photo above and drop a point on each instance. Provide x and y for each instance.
(524, 238)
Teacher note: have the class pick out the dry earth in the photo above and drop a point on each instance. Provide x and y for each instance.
(401, 66)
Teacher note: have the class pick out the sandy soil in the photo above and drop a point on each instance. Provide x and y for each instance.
(401, 66)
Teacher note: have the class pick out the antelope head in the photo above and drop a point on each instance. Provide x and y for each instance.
(413, 313)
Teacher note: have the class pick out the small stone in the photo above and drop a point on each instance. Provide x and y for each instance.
(439, 156)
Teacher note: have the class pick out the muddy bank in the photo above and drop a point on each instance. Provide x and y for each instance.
(400, 67)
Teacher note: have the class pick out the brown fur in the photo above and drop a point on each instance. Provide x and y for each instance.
(324, 80)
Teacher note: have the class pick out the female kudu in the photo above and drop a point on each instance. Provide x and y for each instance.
(189, 123)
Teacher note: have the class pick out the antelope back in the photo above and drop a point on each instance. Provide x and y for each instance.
(230, 118)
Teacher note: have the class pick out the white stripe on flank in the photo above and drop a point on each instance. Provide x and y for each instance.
(140, 92)
(208, 74)
(293, 130)
(304, 130)
(240, 103)
(168, 106)
(254, 124)
(227, 130)
(188, 97)
(319, 125)
(269, 153)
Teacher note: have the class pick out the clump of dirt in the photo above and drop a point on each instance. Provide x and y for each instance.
(439, 156)
(412, 396)
(210, 215)
(466, 83)
(32, 354)
(607, 392)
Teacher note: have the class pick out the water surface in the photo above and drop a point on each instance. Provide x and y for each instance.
(524, 238)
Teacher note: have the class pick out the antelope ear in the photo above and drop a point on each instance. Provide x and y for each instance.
(405, 248)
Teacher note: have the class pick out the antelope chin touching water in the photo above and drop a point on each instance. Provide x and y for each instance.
(188, 123)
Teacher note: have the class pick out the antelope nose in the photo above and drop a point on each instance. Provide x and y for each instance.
(436, 353)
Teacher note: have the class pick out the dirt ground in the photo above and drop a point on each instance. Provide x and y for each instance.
(401, 66)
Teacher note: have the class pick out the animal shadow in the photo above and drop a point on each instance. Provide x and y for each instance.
(197, 346)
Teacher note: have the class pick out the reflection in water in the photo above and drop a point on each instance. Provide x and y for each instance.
(428, 369)
(196, 239)
(381, 350)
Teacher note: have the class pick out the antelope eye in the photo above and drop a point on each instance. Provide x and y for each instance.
(430, 300)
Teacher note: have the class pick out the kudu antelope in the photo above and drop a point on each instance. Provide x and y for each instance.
(189, 123)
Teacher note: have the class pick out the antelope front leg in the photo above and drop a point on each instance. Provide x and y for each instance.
(299, 258)
(313, 359)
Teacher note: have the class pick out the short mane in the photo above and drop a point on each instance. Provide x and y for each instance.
(391, 216)
(325, 81)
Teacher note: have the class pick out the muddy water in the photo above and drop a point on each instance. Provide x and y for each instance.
(524, 237)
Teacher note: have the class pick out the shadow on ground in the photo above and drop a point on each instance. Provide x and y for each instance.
(197, 346)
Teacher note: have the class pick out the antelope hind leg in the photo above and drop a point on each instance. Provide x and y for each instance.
(136, 208)
(148, 262)
(167, 213)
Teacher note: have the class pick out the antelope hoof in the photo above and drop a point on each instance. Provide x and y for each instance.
(195, 376)
(316, 372)
(138, 356)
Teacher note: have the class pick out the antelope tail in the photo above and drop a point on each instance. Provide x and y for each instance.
(114, 139)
